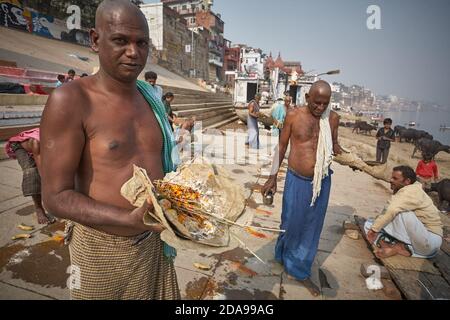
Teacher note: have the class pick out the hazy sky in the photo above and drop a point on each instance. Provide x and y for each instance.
(409, 56)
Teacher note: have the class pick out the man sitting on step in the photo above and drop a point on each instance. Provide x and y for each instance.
(410, 224)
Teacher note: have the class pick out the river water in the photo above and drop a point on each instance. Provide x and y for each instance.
(429, 121)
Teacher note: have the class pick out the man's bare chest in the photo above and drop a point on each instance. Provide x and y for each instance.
(116, 133)
(305, 130)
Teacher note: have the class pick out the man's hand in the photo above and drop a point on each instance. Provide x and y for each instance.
(270, 185)
(372, 236)
(137, 218)
(337, 149)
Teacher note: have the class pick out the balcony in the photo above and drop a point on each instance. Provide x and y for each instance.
(215, 60)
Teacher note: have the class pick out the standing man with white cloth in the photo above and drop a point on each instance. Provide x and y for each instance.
(312, 131)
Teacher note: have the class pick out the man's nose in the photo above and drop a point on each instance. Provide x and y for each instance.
(131, 50)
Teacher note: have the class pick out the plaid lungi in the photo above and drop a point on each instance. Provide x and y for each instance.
(31, 180)
(120, 268)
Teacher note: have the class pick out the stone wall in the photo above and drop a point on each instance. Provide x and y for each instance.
(176, 36)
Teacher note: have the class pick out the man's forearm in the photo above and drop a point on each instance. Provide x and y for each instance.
(277, 160)
(77, 207)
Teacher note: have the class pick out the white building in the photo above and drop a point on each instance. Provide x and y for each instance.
(336, 87)
(252, 62)
(154, 14)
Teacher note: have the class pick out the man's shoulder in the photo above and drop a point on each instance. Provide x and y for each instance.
(292, 113)
(69, 99)
(70, 92)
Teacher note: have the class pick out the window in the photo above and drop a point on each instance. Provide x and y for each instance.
(184, 7)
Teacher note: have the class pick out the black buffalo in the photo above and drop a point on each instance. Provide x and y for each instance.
(363, 126)
(431, 147)
(443, 190)
(398, 129)
(412, 135)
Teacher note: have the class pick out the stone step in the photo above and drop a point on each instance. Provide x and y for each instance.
(216, 119)
(188, 100)
(192, 106)
(41, 100)
(12, 122)
(177, 90)
(16, 113)
(202, 116)
(217, 125)
(22, 99)
(191, 112)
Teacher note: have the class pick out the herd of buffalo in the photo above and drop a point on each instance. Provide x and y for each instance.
(423, 142)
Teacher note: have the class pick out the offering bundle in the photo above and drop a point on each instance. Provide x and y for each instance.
(197, 203)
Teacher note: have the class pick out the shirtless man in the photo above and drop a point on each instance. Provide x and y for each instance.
(88, 152)
(297, 247)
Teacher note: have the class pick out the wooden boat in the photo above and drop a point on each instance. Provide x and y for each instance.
(266, 118)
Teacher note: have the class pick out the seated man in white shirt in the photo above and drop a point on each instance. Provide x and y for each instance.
(410, 224)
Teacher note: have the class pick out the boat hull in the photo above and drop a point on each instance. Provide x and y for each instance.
(242, 112)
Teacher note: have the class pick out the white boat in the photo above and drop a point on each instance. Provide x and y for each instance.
(412, 124)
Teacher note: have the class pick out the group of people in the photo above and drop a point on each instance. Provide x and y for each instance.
(115, 121)
(426, 170)
(410, 224)
(180, 127)
(62, 79)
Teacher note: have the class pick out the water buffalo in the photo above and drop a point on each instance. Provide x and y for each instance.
(432, 147)
(443, 190)
(420, 134)
(413, 135)
(397, 129)
(349, 124)
(364, 127)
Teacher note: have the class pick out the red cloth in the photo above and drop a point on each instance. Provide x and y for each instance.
(21, 137)
(427, 170)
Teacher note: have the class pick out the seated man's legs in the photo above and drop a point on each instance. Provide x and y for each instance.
(409, 230)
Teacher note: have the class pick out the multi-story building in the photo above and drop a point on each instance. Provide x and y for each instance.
(188, 8)
(176, 47)
(198, 13)
(231, 63)
(252, 62)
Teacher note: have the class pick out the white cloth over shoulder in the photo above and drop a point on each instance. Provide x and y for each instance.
(324, 155)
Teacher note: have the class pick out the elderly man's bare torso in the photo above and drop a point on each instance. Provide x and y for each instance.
(304, 135)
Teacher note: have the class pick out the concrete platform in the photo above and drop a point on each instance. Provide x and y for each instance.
(35, 268)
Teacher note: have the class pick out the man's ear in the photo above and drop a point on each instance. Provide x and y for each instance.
(306, 97)
(93, 35)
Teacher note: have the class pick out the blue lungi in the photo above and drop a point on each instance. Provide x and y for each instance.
(297, 247)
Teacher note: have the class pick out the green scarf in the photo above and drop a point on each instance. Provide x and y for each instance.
(169, 149)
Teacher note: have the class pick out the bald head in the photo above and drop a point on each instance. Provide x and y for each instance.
(320, 87)
(121, 39)
(110, 10)
(318, 97)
